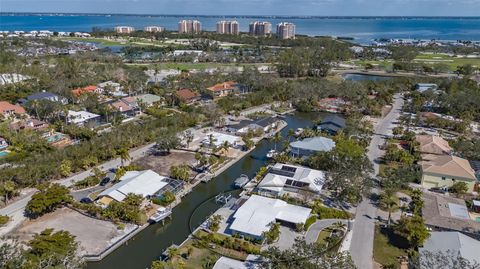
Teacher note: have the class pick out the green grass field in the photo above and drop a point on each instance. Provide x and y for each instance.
(387, 247)
(101, 41)
(452, 62)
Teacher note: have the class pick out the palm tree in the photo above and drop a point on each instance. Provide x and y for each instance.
(277, 138)
(172, 252)
(124, 155)
(8, 188)
(389, 202)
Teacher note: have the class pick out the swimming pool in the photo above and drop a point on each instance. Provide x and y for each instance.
(55, 138)
(3, 153)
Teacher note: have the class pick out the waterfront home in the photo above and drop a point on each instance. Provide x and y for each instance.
(226, 88)
(333, 105)
(310, 146)
(286, 178)
(145, 183)
(188, 96)
(251, 262)
(444, 171)
(112, 88)
(57, 139)
(28, 124)
(423, 87)
(148, 99)
(124, 108)
(9, 110)
(82, 118)
(453, 243)
(264, 124)
(215, 139)
(187, 52)
(332, 124)
(255, 216)
(44, 95)
(446, 213)
(12, 78)
(432, 144)
(3, 143)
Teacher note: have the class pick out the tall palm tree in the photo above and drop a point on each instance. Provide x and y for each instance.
(124, 155)
(389, 202)
(277, 138)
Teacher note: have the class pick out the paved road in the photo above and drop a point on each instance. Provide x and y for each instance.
(15, 210)
(361, 248)
(314, 230)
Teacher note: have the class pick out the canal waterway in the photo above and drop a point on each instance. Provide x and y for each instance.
(142, 249)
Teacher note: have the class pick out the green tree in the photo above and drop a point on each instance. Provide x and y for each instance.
(7, 188)
(124, 155)
(276, 138)
(65, 167)
(413, 229)
(49, 198)
(459, 188)
(181, 172)
(389, 202)
(273, 234)
(214, 222)
(249, 144)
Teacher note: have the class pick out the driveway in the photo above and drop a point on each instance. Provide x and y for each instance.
(361, 248)
(315, 229)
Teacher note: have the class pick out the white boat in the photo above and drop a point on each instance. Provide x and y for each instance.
(271, 154)
(298, 132)
(161, 214)
(241, 181)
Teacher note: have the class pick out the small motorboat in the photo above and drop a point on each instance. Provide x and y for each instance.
(241, 181)
(161, 214)
(298, 131)
(272, 153)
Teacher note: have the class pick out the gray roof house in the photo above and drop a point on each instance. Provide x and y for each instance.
(332, 124)
(423, 87)
(452, 243)
(244, 126)
(43, 95)
(148, 99)
(310, 146)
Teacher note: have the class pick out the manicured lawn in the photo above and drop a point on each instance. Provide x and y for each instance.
(198, 66)
(452, 62)
(323, 235)
(101, 41)
(387, 247)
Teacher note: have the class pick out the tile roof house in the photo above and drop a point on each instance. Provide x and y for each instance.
(446, 213)
(310, 146)
(283, 178)
(125, 106)
(445, 170)
(29, 124)
(432, 144)
(452, 243)
(9, 110)
(88, 89)
(188, 96)
(255, 216)
(45, 96)
(332, 124)
(225, 88)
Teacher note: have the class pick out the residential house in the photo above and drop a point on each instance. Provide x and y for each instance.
(83, 118)
(265, 124)
(88, 89)
(131, 101)
(332, 124)
(240, 128)
(286, 178)
(8, 110)
(124, 108)
(333, 105)
(57, 139)
(423, 87)
(148, 100)
(444, 171)
(145, 183)
(112, 88)
(44, 95)
(188, 96)
(431, 146)
(451, 243)
(256, 215)
(226, 88)
(215, 139)
(446, 213)
(310, 146)
(3, 143)
(251, 262)
(28, 124)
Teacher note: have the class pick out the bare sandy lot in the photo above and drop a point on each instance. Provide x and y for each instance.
(92, 235)
(162, 163)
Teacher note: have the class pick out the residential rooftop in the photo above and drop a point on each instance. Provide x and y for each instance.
(449, 165)
(453, 243)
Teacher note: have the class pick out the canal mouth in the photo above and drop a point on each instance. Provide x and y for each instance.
(235, 195)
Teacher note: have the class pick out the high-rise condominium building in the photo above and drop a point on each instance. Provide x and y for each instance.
(154, 29)
(228, 27)
(189, 26)
(260, 28)
(124, 29)
(286, 30)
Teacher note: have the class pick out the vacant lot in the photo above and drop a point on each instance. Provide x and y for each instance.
(161, 163)
(93, 235)
(388, 247)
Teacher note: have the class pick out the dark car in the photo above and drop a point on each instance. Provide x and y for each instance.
(441, 190)
(86, 200)
(105, 181)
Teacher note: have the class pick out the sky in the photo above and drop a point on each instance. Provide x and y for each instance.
(252, 7)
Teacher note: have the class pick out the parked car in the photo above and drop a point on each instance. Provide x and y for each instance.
(86, 200)
(105, 181)
(441, 190)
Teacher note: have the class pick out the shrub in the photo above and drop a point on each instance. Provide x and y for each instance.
(330, 213)
(4, 219)
(167, 198)
(311, 220)
(87, 182)
(49, 198)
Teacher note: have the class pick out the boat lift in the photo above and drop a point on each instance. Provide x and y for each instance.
(223, 198)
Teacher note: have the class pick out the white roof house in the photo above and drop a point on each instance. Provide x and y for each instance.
(254, 217)
(80, 117)
(453, 243)
(252, 262)
(115, 88)
(220, 138)
(311, 145)
(145, 183)
(283, 178)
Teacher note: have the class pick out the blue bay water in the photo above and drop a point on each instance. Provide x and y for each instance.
(362, 29)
